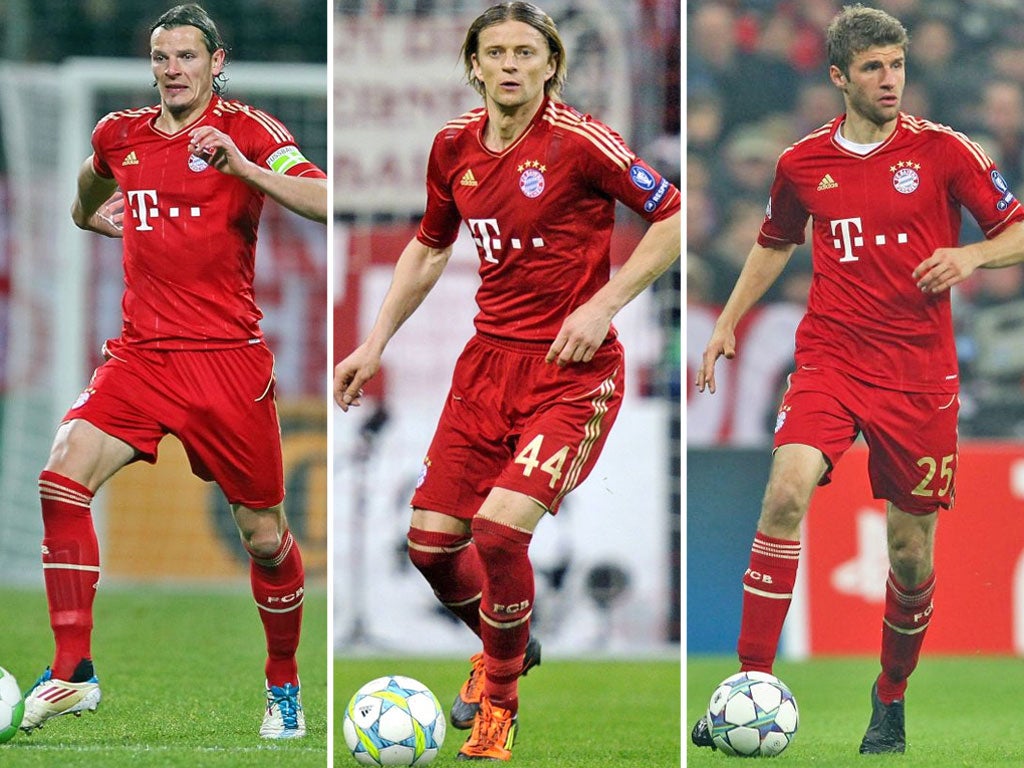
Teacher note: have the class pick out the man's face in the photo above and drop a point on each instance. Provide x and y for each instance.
(183, 68)
(513, 62)
(874, 87)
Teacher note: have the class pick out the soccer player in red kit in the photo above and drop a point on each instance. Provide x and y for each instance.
(193, 173)
(537, 388)
(875, 352)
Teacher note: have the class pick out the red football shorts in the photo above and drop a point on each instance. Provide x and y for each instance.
(514, 421)
(911, 436)
(219, 403)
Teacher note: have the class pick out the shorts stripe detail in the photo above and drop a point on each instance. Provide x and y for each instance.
(771, 595)
(592, 433)
(505, 624)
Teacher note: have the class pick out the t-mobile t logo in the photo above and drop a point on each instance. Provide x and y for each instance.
(849, 234)
(143, 203)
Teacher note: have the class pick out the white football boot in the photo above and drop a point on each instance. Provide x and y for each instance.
(50, 698)
(284, 718)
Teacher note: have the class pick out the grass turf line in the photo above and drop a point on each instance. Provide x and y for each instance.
(182, 678)
(573, 714)
(961, 711)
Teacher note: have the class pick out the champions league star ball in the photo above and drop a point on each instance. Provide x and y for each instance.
(12, 706)
(394, 720)
(752, 714)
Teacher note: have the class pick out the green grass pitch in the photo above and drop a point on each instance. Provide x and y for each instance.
(182, 678)
(961, 712)
(572, 713)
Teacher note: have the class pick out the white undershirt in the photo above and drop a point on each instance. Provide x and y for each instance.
(852, 146)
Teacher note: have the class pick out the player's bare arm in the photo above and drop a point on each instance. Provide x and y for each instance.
(306, 197)
(760, 271)
(97, 207)
(583, 331)
(417, 270)
(949, 266)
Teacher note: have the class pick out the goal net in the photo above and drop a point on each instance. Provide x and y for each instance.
(607, 568)
(60, 291)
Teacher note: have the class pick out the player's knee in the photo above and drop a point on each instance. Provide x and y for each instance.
(496, 542)
(910, 558)
(261, 530)
(430, 553)
(784, 505)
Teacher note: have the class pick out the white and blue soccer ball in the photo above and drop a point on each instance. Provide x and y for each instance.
(394, 720)
(12, 706)
(752, 714)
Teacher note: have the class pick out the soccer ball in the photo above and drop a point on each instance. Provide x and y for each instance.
(752, 714)
(394, 720)
(12, 706)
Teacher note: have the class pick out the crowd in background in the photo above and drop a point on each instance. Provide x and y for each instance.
(261, 30)
(757, 81)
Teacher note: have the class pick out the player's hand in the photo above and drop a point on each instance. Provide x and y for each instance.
(219, 150)
(580, 336)
(721, 344)
(944, 269)
(350, 375)
(109, 217)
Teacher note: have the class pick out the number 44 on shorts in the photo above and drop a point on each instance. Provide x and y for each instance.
(529, 457)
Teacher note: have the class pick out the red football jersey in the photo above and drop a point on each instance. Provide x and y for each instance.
(541, 213)
(875, 217)
(190, 230)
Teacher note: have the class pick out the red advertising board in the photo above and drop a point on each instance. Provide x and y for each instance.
(979, 597)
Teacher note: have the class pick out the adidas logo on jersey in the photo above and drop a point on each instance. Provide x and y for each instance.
(131, 159)
(827, 182)
(468, 179)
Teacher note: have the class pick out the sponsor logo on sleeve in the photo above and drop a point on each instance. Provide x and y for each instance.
(1002, 187)
(642, 178)
(659, 194)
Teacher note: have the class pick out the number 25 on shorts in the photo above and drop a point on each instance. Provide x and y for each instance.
(945, 472)
(529, 457)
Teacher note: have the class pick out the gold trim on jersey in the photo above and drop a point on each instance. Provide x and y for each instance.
(602, 137)
(917, 125)
(276, 130)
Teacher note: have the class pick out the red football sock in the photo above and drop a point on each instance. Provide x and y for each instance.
(71, 568)
(907, 613)
(767, 593)
(278, 586)
(505, 607)
(451, 565)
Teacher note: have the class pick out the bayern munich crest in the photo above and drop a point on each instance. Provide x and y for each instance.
(197, 164)
(905, 178)
(531, 178)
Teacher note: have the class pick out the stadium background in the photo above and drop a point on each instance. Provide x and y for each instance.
(65, 64)
(756, 82)
(608, 567)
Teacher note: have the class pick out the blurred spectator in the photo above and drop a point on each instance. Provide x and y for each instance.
(1001, 114)
(751, 85)
(257, 30)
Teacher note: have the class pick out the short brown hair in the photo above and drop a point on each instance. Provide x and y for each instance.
(528, 13)
(856, 28)
(192, 15)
